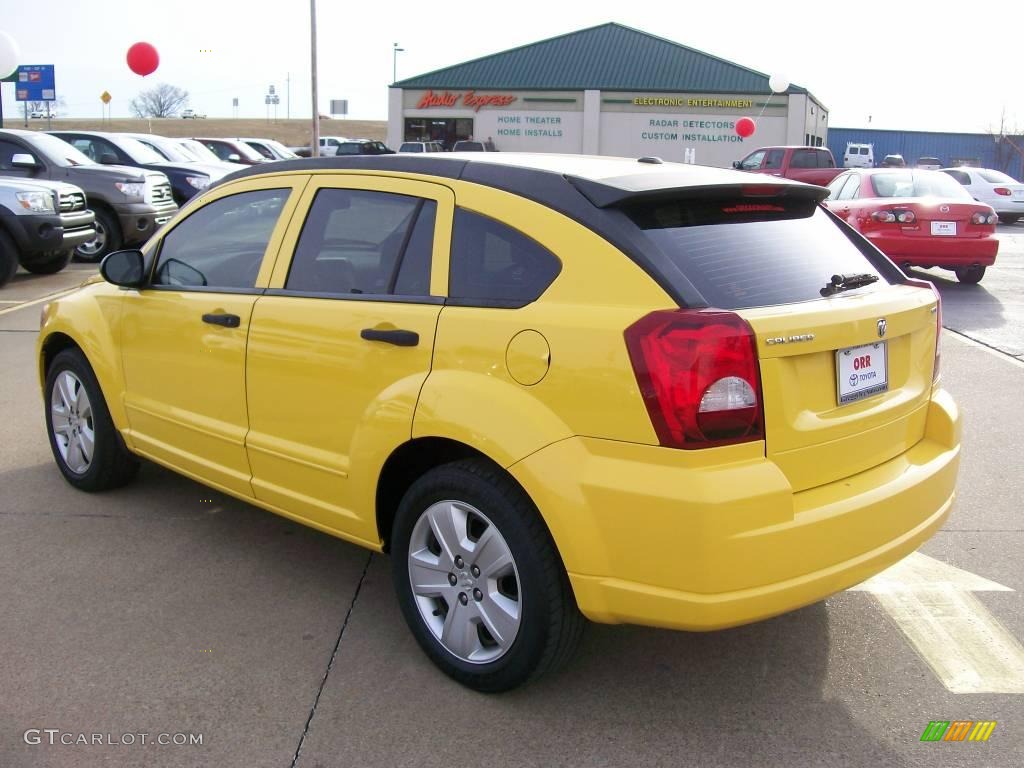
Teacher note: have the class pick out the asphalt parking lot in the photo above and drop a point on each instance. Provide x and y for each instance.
(168, 609)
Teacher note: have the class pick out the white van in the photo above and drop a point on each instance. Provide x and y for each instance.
(859, 156)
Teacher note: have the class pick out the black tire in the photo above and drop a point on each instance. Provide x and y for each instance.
(1008, 218)
(550, 622)
(8, 258)
(108, 228)
(49, 264)
(111, 464)
(970, 275)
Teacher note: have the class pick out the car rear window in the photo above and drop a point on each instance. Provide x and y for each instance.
(751, 253)
(917, 184)
(995, 177)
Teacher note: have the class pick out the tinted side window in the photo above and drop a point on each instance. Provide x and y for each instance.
(804, 158)
(960, 176)
(353, 239)
(851, 188)
(493, 263)
(753, 162)
(836, 185)
(774, 158)
(222, 244)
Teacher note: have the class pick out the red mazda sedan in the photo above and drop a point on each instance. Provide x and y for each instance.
(918, 218)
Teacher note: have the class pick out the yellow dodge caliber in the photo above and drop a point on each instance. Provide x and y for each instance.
(552, 387)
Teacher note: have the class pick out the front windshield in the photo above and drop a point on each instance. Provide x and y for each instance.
(139, 152)
(57, 150)
(917, 184)
(169, 149)
(281, 149)
(199, 150)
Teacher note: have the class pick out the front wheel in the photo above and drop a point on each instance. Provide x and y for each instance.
(86, 446)
(107, 240)
(970, 275)
(478, 578)
(50, 264)
(8, 258)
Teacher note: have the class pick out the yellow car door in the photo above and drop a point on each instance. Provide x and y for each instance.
(341, 342)
(184, 337)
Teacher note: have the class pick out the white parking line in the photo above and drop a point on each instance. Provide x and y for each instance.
(983, 347)
(25, 304)
(964, 644)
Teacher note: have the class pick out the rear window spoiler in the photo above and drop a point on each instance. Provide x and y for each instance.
(613, 196)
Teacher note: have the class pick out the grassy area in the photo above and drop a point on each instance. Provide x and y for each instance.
(291, 133)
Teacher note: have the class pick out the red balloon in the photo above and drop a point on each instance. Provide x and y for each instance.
(745, 127)
(143, 59)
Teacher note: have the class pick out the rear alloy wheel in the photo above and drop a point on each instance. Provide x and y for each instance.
(108, 238)
(50, 264)
(478, 578)
(86, 446)
(970, 275)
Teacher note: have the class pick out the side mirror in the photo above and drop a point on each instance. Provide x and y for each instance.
(234, 157)
(737, 164)
(108, 158)
(124, 268)
(23, 160)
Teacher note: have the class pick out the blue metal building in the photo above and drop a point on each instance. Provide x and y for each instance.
(977, 149)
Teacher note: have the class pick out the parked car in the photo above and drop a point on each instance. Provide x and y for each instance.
(120, 149)
(469, 145)
(421, 146)
(232, 150)
(175, 152)
(130, 204)
(859, 156)
(928, 163)
(191, 114)
(200, 151)
(41, 223)
(329, 145)
(270, 149)
(893, 161)
(363, 147)
(918, 219)
(1004, 193)
(812, 165)
(542, 418)
(35, 114)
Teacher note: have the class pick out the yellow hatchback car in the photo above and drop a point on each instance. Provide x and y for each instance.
(552, 387)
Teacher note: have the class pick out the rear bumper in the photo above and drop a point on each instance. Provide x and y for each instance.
(649, 536)
(1008, 206)
(938, 251)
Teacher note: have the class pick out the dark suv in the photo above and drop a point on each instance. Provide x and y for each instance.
(363, 147)
(130, 203)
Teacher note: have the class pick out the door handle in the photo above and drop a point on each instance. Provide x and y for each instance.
(228, 321)
(399, 338)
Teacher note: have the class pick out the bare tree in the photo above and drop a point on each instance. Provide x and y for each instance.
(161, 101)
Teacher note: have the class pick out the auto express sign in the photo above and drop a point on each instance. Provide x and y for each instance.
(35, 82)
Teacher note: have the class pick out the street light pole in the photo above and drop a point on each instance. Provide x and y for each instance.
(314, 150)
(395, 50)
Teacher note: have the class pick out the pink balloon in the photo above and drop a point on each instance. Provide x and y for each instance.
(745, 127)
(143, 59)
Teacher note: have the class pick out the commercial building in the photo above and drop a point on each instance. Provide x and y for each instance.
(982, 150)
(608, 90)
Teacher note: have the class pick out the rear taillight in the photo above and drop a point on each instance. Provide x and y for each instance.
(984, 218)
(1002, 191)
(699, 377)
(886, 217)
(938, 319)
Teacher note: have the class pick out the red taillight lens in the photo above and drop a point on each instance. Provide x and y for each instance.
(938, 319)
(886, 217)
(905, 217)
(698, 375)
(979, 218)
(1002, 191)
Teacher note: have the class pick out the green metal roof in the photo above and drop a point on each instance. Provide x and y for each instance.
(608, 57)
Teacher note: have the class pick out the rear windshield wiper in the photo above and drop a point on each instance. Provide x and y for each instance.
(847, 282)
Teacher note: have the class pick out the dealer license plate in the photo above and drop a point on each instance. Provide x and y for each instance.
(945, 228)
(862, 371)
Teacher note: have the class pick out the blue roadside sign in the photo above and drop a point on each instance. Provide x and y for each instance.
(35, 82)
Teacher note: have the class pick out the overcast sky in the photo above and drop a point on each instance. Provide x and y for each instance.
(913, 65)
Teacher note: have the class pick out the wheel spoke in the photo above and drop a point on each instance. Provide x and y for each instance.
(74, 458)
(66, 388)
(501, 617)
(459, 634)
(449, 524)
(61, 423)
(87, 444)
(491, 554)
(428, 579)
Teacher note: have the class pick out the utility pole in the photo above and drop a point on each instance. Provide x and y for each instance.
(395, 50)
(314, 150)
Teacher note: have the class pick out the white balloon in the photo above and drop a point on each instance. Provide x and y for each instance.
(778, 83)
(9, 54)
